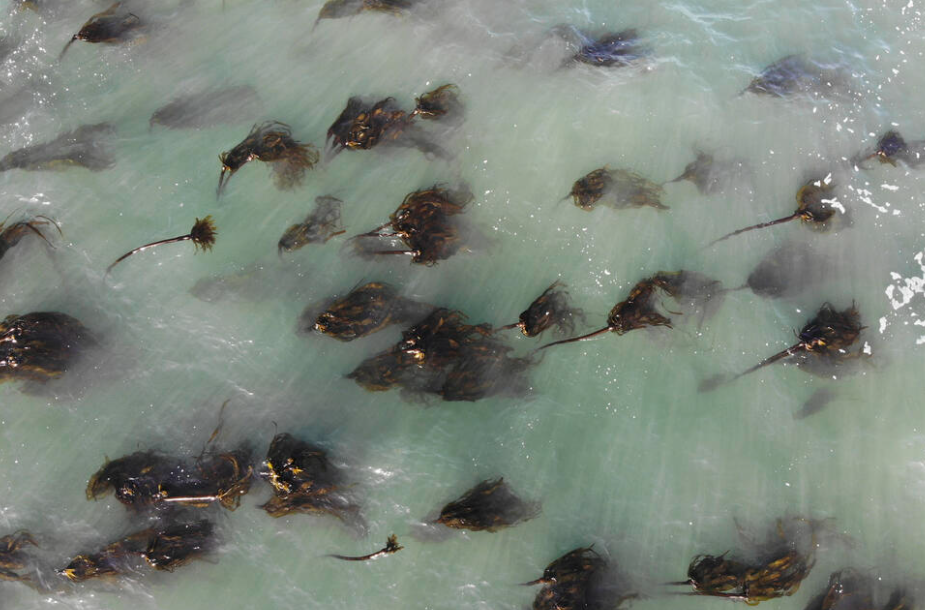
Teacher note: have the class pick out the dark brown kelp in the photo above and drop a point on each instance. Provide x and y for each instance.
(270, 142)
(319, 226)
(576, 581)
(777, 570)
(87, 147)
(813, 208)
(13, 559)
(305, 481)
(163, 548)
(489, 506)
(202, 235)
(41, 346)
(13, 234)
(824, 341)
(891, 148)
(549, 309)
(363, 311)
(147, 479)
(615, 188)
(391, 546)
(112, 26)
(844, 585)
(425, 225)
(637, 311)
(442, 355)
(440, 102)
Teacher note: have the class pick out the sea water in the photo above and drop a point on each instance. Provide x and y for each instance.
(613, 439)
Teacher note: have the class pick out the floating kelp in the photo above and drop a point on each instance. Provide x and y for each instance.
(207, 108)
(575, 582)
(164, 548)
(364, 125)
(489, 506)
(549, 309)
(795, 75)
(893, 149)
(824, 343)
(441, 102)
(363, 311)
(336, 9)
(87, 147)
(113, 26)
(319, 226)
(202, 235)
(148, 479)
(305, 481)
(13, 559)
(41, 346)
(815, 208)
(777, 568)
(617, 188)
(424, 223)
(13, 234)
(391, 546)
(270, 142)
(444, 356)
(788, 270)
(637, 311)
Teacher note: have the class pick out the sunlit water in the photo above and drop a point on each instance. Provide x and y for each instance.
(614, 439)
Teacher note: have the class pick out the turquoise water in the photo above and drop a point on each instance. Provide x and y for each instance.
(613, 440)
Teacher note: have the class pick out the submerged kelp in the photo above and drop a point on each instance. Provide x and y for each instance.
(788, 270)
(164, 548)
(270, 142)
(550, 309)
(442, 355)
(893, 149)
(607, 50)
(796, 75)
(148, 479)
(425, 224)
(363, 311)
(775, 568)
(208, 108)
(87, 146)
(113, 26)
(305, 481)
(337, 9)
(489, 506)
(319, 226)
(711, 175)
(617, 188)
(41, 346)
(440, 102)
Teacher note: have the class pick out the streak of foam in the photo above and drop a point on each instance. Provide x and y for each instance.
(902, 294)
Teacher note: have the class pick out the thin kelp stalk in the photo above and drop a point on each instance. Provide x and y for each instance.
(391, 546)
(202, 235)
(762, 225)
(606, 329)
(793, 349)
(67, 46)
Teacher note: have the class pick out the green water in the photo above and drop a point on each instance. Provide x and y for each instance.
(613, 439)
